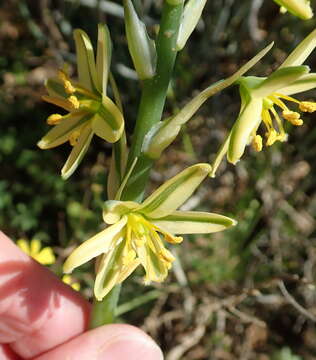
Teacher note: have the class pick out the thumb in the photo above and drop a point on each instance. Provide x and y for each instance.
(109, 342)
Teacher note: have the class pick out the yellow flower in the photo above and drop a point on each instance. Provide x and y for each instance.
(136, 232)
(89, 110)
(299, 8)
(264, 101)
(44, 256)
(69, 280)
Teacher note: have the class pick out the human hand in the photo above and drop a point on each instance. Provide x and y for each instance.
(43, 319)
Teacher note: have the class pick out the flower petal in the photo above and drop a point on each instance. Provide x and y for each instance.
(279, 79)
(45, 256)
(24, 246)
(55, 88)
(304, 83)
(194, 222)
(61, 132)
(174, 192)
(301, 52)
(113, 210)
(112, 270)
(95, 246)
(299, 8)
(108, 123)
(85, 61)
(104, 52)
(247, 121)
(78, 152)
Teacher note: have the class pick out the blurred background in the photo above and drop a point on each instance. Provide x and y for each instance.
(246, 293)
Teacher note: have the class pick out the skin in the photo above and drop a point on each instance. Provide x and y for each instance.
(41, 318)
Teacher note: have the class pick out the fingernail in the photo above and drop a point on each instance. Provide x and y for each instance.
(132, 347)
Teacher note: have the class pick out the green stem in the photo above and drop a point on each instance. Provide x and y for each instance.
(151, 106)
(153, 98)
(103, 312)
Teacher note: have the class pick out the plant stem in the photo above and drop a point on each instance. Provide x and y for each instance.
(153, 98)
(103, 312)
(151, 106)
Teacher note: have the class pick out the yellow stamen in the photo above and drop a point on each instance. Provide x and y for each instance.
(62, 75)
(54, 119)
(68, 87)
(257, 143)
(74, 102)
(166, 255)
(307, 106)
(73, 138)
(293, 117)
(272, 137)
(129, 257)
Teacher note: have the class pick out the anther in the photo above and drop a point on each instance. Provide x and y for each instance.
(257, 143)
(307, 106)
(73, 100)
(272, 137)
(62, 75)
(68, 87)
(54, 119)
(290, 115)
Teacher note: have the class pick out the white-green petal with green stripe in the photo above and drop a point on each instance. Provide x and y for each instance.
(174, 192)
(194, 222)
(60, 133)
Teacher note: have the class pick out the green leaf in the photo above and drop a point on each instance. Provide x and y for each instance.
(99, 244)
(104, 52)
(194, 222)
(60, 133)
(279, 79)
(78, 152)
(174, 192)
(85, 61)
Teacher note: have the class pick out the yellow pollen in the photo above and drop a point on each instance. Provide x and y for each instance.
(54, 119)
(272, 137)
(73, 138)
(173, 239)
(68, 87)
(73, 100)
(307, 106)
(257, 143)
(293, 117)
(62, 75)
